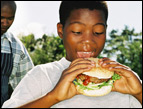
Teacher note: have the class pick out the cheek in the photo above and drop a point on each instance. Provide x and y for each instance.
(70, 46)
(10, 22)
(70, 43)
(69, 40)
(101, 43)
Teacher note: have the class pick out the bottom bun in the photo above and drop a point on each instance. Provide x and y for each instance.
(95, 92)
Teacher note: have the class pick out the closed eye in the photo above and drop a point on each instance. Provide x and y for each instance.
(96, 33)
(77, 33)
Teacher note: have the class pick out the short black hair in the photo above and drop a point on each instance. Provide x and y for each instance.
(11, 4)
(67, 7)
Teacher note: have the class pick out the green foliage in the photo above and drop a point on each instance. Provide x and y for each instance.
(45, 49)
(29, 42)
(127, 48)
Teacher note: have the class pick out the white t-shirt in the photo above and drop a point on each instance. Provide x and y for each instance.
(43, 78)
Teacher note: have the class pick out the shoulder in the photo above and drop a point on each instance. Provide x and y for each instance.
(17, 46)
(15, 42)
(43, 75)
(51, 70)
(13, 38)
(48, 67)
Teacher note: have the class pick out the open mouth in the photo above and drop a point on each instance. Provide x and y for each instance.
(83, 54)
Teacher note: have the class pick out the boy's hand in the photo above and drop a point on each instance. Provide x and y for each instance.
(65, 88)
(128, 83)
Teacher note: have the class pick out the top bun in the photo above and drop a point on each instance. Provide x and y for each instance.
(98, 71)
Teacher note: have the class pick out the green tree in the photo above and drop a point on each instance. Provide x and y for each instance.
(45, 49)
(29, 42)
(126, 47)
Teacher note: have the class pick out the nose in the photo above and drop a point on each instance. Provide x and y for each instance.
(87, 43)
(88, 38)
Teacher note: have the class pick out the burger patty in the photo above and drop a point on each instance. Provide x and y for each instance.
(91, 79)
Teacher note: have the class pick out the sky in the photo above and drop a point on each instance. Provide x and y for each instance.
(41, 17)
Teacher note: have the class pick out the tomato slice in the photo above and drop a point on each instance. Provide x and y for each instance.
(86, 81)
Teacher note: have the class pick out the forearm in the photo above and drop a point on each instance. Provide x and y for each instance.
(44, 102)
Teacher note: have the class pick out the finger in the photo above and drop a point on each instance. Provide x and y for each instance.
(77, 60)
(122, 71)
(82, 64)
(114, 64)
(79, 66)
(81, 60)
(70, 76)
(106, 62)
(103, 60)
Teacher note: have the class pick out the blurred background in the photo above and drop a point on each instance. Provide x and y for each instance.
(35, 25)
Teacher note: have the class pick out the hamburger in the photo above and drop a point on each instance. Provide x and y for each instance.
(95, 82)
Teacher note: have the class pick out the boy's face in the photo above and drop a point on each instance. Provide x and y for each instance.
(7, 18)
(84, 33)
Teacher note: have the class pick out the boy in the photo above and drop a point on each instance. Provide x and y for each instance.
(15, 60)
(83, 30)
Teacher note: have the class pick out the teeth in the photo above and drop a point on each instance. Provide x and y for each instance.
(87, 52)
(84, 54)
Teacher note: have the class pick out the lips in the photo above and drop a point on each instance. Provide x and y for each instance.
(3, 29)
(85, 54)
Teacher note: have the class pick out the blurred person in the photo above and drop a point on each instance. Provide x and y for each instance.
(15, 60)
(82, 27)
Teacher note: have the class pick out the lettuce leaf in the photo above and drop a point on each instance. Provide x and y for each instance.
(91, 86)
(116, 77)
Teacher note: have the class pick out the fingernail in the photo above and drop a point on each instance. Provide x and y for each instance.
(104, 64)
(110, 68)
(89, 68)
(92, 64)
(100, 62)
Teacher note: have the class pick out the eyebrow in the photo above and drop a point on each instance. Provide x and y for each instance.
(7, 17)
(100, 24)
(85, 25)
(77, 23)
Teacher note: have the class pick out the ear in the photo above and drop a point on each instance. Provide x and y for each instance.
(60, 30)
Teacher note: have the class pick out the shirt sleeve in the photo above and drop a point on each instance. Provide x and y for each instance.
(134, 103)
(22, 67)
(34, 85)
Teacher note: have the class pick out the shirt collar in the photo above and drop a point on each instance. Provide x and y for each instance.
(7, 36)
(3, 36)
